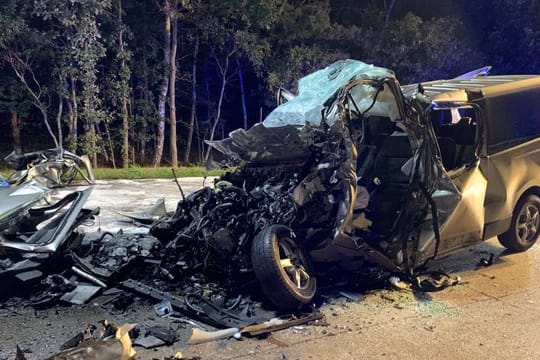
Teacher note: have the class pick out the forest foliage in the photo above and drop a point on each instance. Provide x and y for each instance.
(140, 82)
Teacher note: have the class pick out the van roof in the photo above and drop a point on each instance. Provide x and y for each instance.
(487, 86)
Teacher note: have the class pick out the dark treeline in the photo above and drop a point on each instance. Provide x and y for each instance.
(147, 81)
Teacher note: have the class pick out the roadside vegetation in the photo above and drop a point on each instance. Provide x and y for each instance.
(137, 172)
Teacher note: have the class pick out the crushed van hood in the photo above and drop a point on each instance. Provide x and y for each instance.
(285, 133)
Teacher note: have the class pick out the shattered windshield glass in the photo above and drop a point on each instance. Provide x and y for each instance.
(317, 88)
(285, 133)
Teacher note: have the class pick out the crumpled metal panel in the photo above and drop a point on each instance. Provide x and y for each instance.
(465, 223)
(56, 231)
(260, 143)
(503, 191)
(15, 198)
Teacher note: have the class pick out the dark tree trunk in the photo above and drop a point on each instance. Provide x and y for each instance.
(124, 96)
(111, 146)
(172, 94)
(242, 92)
(200, 146)
(92, 143)
(59, 121)
(74, 119)
(144, 125)
(16, 132)
(162, 102)
(193, 102)
(146, 91)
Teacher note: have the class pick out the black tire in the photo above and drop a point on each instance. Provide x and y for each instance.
(525, 226)
(283, 270)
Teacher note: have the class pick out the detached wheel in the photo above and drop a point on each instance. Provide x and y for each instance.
(524, 227)
(283, 270)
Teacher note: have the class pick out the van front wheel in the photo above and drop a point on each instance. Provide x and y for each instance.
(525, 226)
(284, 272)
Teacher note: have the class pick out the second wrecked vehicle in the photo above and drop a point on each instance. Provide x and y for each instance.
(357, 168)
(54, 167)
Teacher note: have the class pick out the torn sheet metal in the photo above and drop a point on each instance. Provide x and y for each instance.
(14, 199)
(63, 217)
(149, 215)
(51, 167)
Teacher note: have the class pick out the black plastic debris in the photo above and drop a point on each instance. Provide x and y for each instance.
(148, 342)
(167, 335)
(354, 297)
(72, 342)
(163, 308)
(196, 306)
(483, 262)
(81, 294)
(50, 290)
(117, 252)
(29, 275)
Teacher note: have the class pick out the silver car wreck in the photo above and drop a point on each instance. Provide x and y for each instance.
(357, 168)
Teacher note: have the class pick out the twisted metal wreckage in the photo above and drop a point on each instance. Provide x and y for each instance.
(347, 171)
(54, 167)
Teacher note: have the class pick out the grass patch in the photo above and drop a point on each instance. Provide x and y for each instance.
(137, 172)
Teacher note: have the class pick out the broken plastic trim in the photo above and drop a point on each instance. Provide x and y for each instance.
(62, 229)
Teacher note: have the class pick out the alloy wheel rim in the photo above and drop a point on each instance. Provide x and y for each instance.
(292, 264)
(527, 224)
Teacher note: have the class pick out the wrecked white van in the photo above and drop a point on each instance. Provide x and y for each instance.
(355, 166)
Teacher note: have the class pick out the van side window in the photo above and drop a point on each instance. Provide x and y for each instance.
(456, 130)
(512, 119)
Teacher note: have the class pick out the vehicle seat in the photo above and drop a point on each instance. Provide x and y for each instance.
(465, 136)
(393, 154)
(448, 152)
(387, 201)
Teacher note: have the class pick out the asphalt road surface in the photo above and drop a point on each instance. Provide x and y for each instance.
(494, 313)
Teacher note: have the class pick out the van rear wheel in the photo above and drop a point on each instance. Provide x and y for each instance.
(525, 226)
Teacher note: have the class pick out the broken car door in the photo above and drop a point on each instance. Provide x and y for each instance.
(457, 128)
